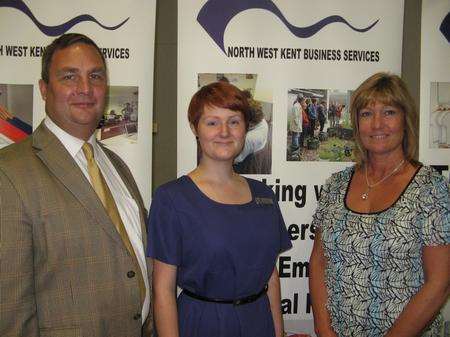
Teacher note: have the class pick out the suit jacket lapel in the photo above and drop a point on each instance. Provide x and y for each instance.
(55, 156)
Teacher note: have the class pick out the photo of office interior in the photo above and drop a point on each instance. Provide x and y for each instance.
(121, 114)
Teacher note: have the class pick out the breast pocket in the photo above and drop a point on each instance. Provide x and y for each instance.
(68, 232)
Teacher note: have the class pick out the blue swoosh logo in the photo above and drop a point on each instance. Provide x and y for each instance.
(215, 15)
(59, 29)
(445, 27)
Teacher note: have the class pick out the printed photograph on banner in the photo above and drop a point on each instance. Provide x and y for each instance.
(256, 156)
(319, 126)
(16, 112)
(439, 115)
(120, 120)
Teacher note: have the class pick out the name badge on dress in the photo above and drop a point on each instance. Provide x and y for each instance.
(264, 201)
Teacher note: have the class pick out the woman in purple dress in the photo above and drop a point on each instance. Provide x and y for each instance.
(217, 235)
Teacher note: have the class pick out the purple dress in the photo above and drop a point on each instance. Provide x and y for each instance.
(221, 251)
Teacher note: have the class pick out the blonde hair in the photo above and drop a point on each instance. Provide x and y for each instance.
(387, 89)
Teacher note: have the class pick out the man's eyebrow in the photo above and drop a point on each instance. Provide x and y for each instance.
(98, 70)
(67, 70)
(76, 70)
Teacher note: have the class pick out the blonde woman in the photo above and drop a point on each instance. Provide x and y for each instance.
(380, 265)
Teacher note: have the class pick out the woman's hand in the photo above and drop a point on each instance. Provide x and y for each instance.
(328, 333)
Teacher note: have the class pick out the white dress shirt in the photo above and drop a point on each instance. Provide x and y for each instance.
(128, 208)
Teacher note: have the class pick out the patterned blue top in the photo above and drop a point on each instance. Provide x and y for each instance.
(375, 260)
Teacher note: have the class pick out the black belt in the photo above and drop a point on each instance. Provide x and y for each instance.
(239, 301)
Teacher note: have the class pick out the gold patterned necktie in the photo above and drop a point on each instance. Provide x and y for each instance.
(105, 195)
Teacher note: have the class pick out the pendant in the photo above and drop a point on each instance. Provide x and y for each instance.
(364, 196)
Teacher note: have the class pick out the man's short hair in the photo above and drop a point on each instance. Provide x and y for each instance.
(62, 42)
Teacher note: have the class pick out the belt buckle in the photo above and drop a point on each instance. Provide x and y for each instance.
(238, 302)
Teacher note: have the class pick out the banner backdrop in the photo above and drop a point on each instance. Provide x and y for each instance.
(278, 51)
(435, 93)
(124, 30)
(435, 83)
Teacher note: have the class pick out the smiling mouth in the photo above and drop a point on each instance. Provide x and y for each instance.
(379, 136)
(226, 142)
(84, 104)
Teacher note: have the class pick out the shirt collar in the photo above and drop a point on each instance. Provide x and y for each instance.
(71, 143)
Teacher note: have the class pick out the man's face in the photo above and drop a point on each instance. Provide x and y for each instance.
(75, 93)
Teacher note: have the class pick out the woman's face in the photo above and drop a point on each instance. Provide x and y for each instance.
(381, 128)
(303, 104)
(221, 133)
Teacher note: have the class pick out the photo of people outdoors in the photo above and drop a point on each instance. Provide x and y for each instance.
(318, 125)
(256, 156)
(16, 112)
(121, 114)
(439, 132)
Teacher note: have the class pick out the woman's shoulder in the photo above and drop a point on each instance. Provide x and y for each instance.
(428, 179)
(172, 187)
(259, 188)
(335, 186)
(341, 177)
(429, 174)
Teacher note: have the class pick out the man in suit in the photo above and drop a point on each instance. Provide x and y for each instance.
(71, 217)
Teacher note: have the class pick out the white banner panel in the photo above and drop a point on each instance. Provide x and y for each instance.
(435, 83)
(278, 50)
(435, 93)
(124, 30)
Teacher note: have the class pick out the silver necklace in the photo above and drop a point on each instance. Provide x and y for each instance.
(365, 195)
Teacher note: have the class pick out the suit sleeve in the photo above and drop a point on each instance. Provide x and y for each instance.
(17, 294)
